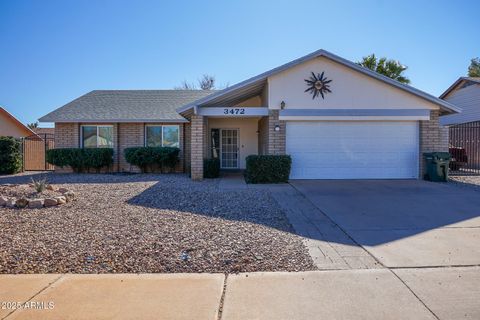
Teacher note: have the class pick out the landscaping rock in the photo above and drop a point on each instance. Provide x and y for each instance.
(3, 201)
(69, 195)
(50, 187)
(61, 200)
(21, 203)
(50, 202)
(36, 203)
(150, 223)
(10, 203)
(62, 190)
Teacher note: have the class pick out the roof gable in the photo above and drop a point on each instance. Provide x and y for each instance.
(253, 86)
(460, 83)
(349, 89)
(15, 122)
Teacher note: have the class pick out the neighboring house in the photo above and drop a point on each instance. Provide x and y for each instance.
(464, 127)
(465, 94)
(368, 127)
(11, 126)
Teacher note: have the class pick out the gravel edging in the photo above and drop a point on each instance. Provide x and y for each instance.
(471, 182)
(150, 223)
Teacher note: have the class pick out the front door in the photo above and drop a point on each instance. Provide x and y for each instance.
(229, 149)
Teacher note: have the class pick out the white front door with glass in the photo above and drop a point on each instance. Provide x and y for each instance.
(229, 149)
(225, 145)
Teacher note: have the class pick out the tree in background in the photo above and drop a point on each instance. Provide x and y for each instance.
(33, 125)
(474, 68)
(206, 82)
(390, 68)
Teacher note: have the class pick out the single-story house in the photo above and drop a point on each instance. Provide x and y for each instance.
(335, 118)
(465, 94)
(12, 127)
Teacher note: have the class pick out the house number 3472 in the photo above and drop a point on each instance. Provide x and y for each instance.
(234, 111)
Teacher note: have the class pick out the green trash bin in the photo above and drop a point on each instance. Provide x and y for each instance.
(437, 166)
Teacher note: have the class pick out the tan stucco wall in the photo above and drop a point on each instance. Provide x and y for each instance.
(350, 90)
(248, 135)
(9, 127)
(252, 102)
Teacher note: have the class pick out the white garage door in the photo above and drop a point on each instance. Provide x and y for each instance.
(353, 149)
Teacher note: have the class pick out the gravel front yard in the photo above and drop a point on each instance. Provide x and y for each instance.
(149, 223)
(466, 181)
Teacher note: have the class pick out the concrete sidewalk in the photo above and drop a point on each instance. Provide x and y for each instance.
(437, 293)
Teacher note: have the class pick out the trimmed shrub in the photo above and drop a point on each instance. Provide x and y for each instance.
(268, 169)
(81, 160)
(152, 158)
(10, 155)
(211, 168)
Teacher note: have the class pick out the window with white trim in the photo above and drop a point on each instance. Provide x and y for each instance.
(93, 136)
(162, 136)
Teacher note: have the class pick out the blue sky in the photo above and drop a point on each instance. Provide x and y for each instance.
(54, 51)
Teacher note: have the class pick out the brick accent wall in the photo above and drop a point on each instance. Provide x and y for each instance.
(276, 139)
(130, 135)
(433, 138)
(67, 135)
(125, 135)
(197, 146)
(187, 146)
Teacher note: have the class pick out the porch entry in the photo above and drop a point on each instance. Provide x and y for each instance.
(225, 145)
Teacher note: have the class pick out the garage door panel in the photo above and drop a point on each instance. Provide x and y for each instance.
(353, 150)
(362, 159)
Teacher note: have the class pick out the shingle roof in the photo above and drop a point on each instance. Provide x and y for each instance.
(126, 106)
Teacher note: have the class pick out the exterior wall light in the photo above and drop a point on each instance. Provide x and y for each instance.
(277, 128)
(282, 105)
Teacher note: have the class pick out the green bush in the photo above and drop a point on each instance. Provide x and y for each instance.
(211, 168)
(153, 158)
(10, 155)
(268, 169)
(81, 160)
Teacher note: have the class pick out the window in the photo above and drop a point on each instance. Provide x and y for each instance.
(162, 136)
(97, 136)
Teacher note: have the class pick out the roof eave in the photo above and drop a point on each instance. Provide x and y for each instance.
(43, 119)
(453, 86)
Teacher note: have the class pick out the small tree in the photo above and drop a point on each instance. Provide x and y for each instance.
(390, 68)
(474, 68)
(33, 125)
(186, 86)
(207, 82)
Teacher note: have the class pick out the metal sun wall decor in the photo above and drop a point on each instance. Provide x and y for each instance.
(318, 85)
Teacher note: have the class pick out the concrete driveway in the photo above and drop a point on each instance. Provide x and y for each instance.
(403, 223)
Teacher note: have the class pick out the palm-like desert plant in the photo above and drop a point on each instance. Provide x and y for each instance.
(390, 68)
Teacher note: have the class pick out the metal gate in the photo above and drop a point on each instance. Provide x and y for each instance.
(464, 146)
(34, 152)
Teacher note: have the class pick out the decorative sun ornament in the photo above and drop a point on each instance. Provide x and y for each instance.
(318, 85)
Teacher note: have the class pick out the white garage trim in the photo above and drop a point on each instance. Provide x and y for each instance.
(352, 118)
(355, 114)
(353, 149)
